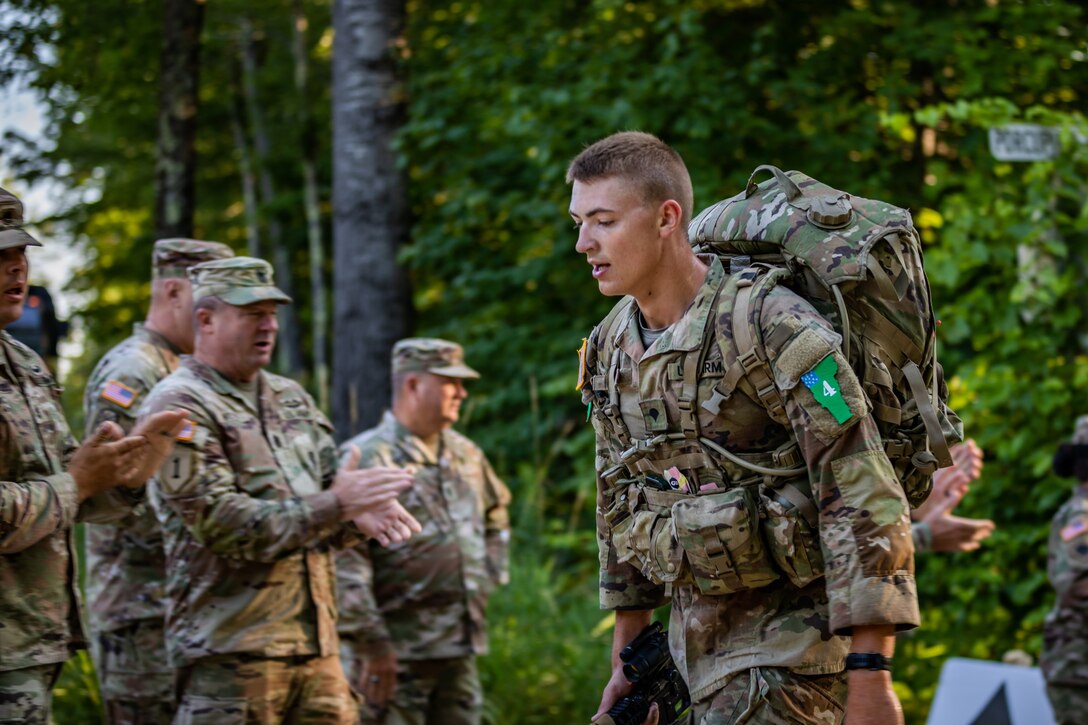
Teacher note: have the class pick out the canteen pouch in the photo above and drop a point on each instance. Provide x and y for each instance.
(646, 540)
(793, 543)
(720, 536)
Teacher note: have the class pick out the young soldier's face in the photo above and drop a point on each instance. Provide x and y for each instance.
(619, 234)
(13, 274)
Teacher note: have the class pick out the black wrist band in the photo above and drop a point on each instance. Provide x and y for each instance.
(868, 661)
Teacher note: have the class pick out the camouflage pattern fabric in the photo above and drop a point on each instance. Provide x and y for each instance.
(134, 676)
(1064, 659)
(434, 692)
(236, 281)
(39, 604)
(26, 694)
(431, 355)
(771, 696)
(747, 591)
(247, 521)
(1069, 702)
(12, 233)
(174, 257)
(427, 596)
(126, 566)
(245, 690)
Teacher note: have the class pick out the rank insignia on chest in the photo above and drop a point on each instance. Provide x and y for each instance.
(825, 388)
(1074, 529)
(119, 393)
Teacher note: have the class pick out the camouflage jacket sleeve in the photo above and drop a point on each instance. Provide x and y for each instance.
(199, 484)
(360, 622)
(116, 505)
(1068, 556)
(864, 518)
(622, 585)
(497, 523)
(32, 509)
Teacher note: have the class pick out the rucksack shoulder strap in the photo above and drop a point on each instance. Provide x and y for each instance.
(753, 285)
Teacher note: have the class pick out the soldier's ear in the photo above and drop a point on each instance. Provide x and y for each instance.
(669, 216)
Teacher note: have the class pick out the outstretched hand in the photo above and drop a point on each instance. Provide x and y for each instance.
(390, 524)
(109, 458)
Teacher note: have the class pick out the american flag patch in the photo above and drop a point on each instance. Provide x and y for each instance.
(187, 432)
(119, 393)
(1075, 529)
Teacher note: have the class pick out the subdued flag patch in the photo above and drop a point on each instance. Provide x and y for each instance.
(1074, 529)
(188, 432)
(119, 393)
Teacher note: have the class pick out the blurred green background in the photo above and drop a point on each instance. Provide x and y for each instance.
(891, 100)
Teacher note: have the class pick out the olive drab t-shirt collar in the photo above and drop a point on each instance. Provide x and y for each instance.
(684, 335)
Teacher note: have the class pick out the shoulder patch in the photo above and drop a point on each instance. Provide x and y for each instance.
(825, 388)
(120, 394)
(1073, 530)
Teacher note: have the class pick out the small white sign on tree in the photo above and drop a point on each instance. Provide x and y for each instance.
(1024, 142)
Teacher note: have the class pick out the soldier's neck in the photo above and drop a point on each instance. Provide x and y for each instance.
(670, 295)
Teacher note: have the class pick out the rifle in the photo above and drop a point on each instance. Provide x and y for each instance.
(648, 666)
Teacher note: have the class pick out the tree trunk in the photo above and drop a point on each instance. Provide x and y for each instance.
(308, 145)
(289, 348)
(175, 163)
(372, 301)
(245, 168)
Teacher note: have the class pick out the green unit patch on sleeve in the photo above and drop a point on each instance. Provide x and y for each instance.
(825, 388)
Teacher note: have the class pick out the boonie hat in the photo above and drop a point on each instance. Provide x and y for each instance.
(12, 233)
(237, 281)
(174, 257)
(431, 355)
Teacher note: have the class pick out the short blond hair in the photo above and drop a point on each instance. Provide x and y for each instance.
(642, 158)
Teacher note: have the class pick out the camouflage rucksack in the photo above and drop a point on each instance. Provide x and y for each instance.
(859, 262)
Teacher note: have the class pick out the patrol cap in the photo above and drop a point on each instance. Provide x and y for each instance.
(1080, 432)
(12, 233)
(236, 280)
(431, 355)
(173, 257)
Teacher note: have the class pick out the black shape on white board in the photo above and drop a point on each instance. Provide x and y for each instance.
(996, 711)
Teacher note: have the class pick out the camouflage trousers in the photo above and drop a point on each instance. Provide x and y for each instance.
(26, 695)
(432, 692)
(1070, 703)
(248, 690)
(134, 674)
(774, 696)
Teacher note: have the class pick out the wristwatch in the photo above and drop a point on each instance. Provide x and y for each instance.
(868, 661)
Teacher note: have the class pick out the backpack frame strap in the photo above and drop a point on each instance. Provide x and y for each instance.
(751, 288)
(609, 413)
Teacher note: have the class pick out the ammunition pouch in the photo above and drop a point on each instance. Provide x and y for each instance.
(720, 536)
(792, 539)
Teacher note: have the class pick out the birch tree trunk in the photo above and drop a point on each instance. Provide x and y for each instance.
(308, 146)
(289, 347)
(245, 168)
(372, 300)
(175, 163)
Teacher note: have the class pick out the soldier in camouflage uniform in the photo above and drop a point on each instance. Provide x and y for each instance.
(47, 480)
(413, 617)
(767, 601)
(1064, 660)
(250, 504)
(126, 566)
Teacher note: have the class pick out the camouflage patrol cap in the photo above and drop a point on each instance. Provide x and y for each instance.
(1080, 432)
(236, 280)
(173, 257)
(431, 355)
(12, 233)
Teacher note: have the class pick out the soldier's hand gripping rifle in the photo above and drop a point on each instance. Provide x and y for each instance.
(648, 666)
